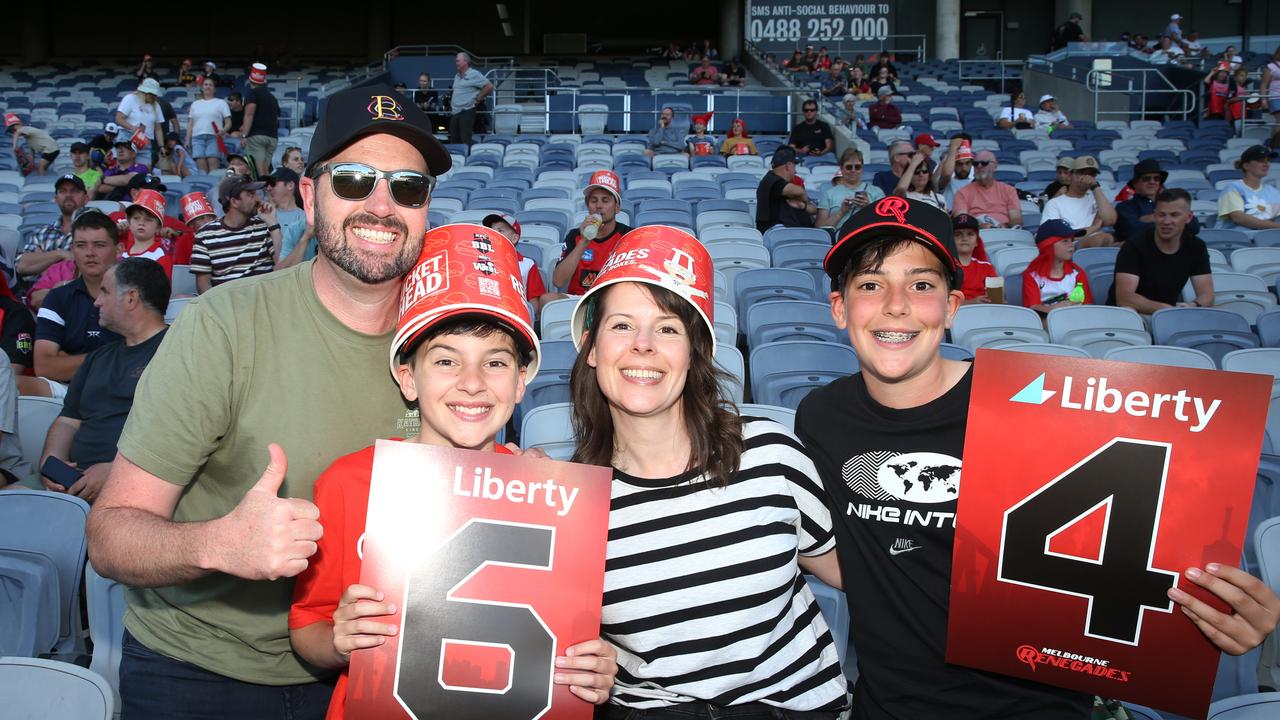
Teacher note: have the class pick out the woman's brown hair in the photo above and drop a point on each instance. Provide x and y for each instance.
(710, 419)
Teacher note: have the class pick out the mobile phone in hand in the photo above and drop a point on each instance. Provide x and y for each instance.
(60, 472)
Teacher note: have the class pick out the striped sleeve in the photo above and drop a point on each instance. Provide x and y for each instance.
(815, 530)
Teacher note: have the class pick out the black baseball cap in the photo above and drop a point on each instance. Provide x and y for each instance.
(233, 185)
(1257, 152)
(965, 221)
(371, 109)
(79, 147)
(69, 178)
(282, 174)
(895, 216)
(783, 155)
(146, 181)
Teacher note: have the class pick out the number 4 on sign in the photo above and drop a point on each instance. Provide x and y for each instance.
(1125, 480)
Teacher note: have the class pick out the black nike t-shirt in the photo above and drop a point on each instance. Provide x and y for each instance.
(893, 479)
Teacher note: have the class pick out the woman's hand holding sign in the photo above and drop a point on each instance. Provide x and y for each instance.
(1255, 609)
(588, 668)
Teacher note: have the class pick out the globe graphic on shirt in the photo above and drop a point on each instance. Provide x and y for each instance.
(921, 477)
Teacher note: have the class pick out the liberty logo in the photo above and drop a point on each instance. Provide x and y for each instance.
(894, 207)
(1034, 393)
(384, 107)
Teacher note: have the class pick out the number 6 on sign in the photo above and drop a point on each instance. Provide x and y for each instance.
(519, 686)
(1124, 482)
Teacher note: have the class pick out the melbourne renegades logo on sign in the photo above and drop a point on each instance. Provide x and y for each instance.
(1070, 661)
(894, 207)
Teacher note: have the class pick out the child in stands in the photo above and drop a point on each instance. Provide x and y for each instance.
(535, 290)
(1052, 280)
(464, 363)
(145, 216)
(972, 258)
(699, 142)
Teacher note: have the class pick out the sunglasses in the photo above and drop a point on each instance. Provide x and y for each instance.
(851, 166)
(1149, 178)
(355, 181)
(981, 163)
(813, 109)
(922, 170)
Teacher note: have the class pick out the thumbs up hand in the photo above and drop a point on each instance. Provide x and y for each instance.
(269, 537)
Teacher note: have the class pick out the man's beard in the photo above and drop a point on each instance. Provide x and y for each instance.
(333, 244)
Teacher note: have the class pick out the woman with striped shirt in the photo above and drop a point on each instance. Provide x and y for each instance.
(712, 516)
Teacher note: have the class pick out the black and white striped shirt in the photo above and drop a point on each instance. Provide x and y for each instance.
(227, 253)
(703, 597)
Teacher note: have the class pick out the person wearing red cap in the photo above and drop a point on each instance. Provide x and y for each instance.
(535, 290)
(208, 510)
(738, 141)
(699, 142)
(587, 247)
(197, 212)
(895, 285)
(1052, 280)
(714, 512)
(956, 170)
(44, 149)
(462, 360)
(261, 121)
(146, 216)
(925, 144)
(811, 136)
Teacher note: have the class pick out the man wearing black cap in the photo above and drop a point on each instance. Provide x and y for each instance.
(1068, 32)
(780, 200)
(896, 288)
(1136, 215)
(115, 180)
(242, 243)
(189, 520)
(52, 243)
(1250, 203)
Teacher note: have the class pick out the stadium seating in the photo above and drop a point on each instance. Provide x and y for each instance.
(730, 360)
(1048, 349)
(1162, 355)
(36, 689)
(30, 603)
(1213, 330)
(550, 429)
(775, 320)
(35, 415)
(106, 606)
(1097, 328)
(782, 373)
(996, 326)
(1258, 706)
(783, 416)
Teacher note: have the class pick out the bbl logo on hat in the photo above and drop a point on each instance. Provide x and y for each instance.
(485, 265)
(384, 107)
(481, 244)
(894, 207)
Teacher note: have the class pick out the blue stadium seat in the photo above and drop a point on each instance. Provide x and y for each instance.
(106, 606)
(1048, 349)
(955, 352)
(778, 320)
(782, 373)
(38, 688)
(1211, 330)
(1265, 361)
(729, 359)
(760, 284)
(996, 326)
(785, 417)
(551, 385)
(1162, 355)
(835, 610)
(1268, 325)
(1097, 328)
(52, 524)
(556, 318)
(1257, 706)
(780, 235)
(550, 429)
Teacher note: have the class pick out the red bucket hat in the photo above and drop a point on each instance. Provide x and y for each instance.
(195, 205)
(657, 255)
(151, 201)
(606, 179)
(464, 270)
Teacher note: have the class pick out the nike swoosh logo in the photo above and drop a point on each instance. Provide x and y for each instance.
(899, 551)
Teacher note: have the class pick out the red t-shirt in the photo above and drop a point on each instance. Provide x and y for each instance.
(593, 259)
(342, 495)
(179, 247)
(533, 286)
(976, 273)
(157, 252)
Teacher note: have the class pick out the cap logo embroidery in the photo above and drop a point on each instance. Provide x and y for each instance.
(894, 207)
(384, 107)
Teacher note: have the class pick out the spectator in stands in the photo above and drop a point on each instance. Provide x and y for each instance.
(170, 120)
(237, 165)
(52, 243)
(115, 181)
(881, 78)
(858, 84)
(917, 183)
(145, 69)
(848, 194)
(131, 303)
(1217, 88)
(1167, 52)
(673, 51)
(849, 116)
(708, 49)
(705, 73)
(146, 218)
(208, 118)
(665, 138)
(811, 136)
(535, 290)
(699, 142)
(1193, 47)
(292, 159)
(1135, 214)
(43, 148)
(234, 139)
(17, 340)
(1051, 280)
(13, 468)
(1173, 30)
(735, 73)
(994, 203)
(197, 212)
(1153, 267)
(139, 115)
(428, 100)
(1269, 84)
(175, 158)
(174, 235)
(587, 247)
(738, 141)
(811, 58)
(282, 193)
(81, 168)
(1083, 205)
(1249, 203)
(186, 76)
(796, 63)
(884, 114)
(823, 61)
(1140, 42)
(956, 171)
(67, 327)
(470, 88)
(210, 71)
(1230, 57)
(884, 64)
(1016, 116)
(900, 154)
(925, 145)
(261, 121)
(1049, 115)
(1239, 100)
(102, 145)
(778, 198)
(1060, 183)
(972, 258)
(1068, 32)
(244, 242)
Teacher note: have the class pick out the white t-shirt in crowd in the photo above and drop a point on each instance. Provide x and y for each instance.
(140, 114)
(1078, 212)
(955, 186)
(1044, 118)
(1016, 115)
(207, 113)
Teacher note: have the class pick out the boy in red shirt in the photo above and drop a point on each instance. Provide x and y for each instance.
(972, 258)
(146, 217)
(462, 354)
(535, 290)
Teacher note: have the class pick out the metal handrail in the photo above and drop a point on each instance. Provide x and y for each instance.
(1100, 82)
(1238, 127)
(1001, 77)
(479, 61)
(920, 48)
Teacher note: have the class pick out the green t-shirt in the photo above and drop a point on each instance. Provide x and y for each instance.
(251, 362)
(90, 176)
